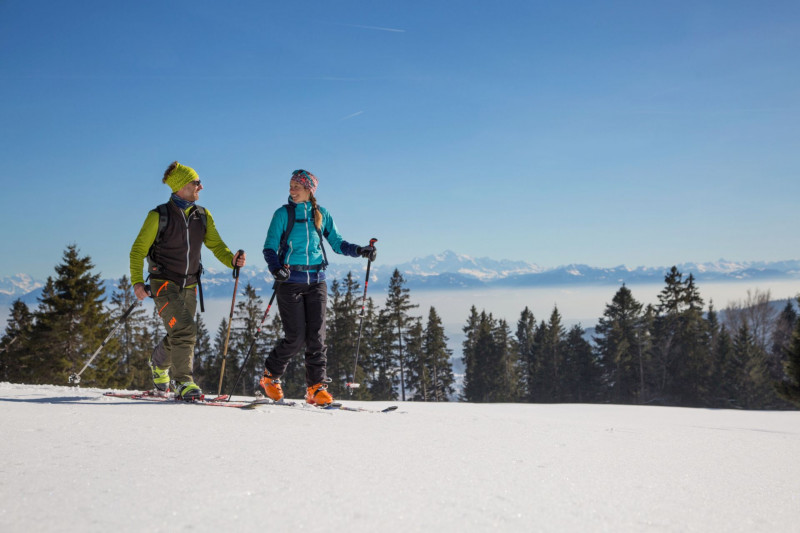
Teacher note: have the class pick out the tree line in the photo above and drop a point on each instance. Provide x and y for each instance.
(400, 356)
(672, 353)
(676, 352)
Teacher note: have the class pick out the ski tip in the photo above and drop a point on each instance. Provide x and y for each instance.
(389, 409)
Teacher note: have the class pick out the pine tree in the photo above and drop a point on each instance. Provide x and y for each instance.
(506, 384)
(727, 369)
(619, 343)
(468, 356)
(781, 341)
(418, 377)
(526, 350)
(246, 320)
(754, 383)
(71, 322)
(384, 377)
(681, 353)
(14, 345)
(789, 387)
(133, 354)
(551, 358)
(582, 374)
(203, 355)
(398, 303)
(437, 357)
(487, 372)
(212, 375)
(344, 308)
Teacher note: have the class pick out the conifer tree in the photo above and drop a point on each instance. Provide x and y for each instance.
(15, 343)
(681, 353)
(418, 377)
(725, 383)
(789, 387)
(384, 376)
(619, 341)
(437, 358)
(342, 334)
(398, 303)
(487, 372)
(526, 350)
(505, 386)
(71, 322)
(133, 353)
(754, 385)
(551, 359)
(246, 319)
(781, 341)
(366, 352)
(468, 356)
(582, 375)
(215, 367)
(203, 355)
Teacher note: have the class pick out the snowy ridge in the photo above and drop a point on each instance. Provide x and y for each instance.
(450, 270)
(18, 284)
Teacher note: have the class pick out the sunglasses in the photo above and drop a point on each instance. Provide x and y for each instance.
(196, 183)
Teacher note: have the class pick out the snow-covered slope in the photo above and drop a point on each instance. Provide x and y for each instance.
(73, 460)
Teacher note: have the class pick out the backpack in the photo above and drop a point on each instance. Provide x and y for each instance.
(283, 248)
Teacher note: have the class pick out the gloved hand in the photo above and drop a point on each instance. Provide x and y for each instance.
(239, 259)
(367, 251)
(282, 273)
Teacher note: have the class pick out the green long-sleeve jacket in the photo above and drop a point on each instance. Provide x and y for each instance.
(147, 236)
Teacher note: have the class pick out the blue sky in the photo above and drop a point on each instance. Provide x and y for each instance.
(607, 133)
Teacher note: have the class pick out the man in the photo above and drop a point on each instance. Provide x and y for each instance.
(171, 238)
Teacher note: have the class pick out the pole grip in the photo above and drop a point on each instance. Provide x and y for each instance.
(235, 267)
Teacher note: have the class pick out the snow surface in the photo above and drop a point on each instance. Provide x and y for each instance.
(74, 460)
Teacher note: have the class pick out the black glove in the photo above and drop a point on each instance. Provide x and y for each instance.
(281, 274)
(367, 251)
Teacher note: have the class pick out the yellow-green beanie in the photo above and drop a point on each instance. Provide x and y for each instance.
(180, 176)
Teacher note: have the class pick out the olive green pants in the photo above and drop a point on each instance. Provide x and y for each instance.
(176, 307)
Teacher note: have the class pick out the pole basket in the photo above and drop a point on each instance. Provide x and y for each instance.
(74, 378)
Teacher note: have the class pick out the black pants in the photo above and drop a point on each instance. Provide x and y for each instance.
(302, 310)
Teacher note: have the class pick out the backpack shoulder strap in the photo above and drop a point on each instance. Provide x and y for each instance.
(163, 220)
(201, 212)
(282, 248)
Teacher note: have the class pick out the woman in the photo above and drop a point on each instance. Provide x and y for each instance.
(296, 257)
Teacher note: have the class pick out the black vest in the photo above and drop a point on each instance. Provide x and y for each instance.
(175, 254)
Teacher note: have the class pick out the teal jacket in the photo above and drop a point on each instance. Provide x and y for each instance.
(304, 246)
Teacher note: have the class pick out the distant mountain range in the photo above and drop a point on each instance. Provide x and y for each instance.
(453, 271)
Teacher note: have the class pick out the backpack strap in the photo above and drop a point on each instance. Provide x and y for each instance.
(163, 220)
(284, 245)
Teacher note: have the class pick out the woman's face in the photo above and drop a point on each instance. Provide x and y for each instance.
(298, 193)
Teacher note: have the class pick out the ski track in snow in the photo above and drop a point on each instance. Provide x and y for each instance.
(75, 460)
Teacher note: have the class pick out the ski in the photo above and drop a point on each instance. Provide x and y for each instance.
(336, 406)
(288, 403)
(224, 401)
(365, 410)
(160, 396)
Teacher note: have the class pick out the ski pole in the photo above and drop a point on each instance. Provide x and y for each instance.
(353, 385)
(4, 348)
(230, 319)
(250, 349)
(76, 378)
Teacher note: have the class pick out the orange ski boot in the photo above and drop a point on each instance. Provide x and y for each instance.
(318, 395)
(271, 386)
